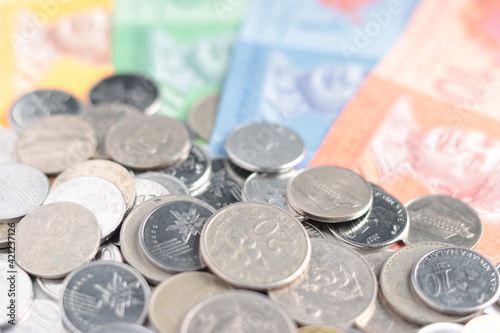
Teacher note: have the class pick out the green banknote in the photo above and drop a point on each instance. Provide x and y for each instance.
(184, 45)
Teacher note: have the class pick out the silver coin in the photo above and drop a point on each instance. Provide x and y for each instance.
(111, 171)
(55, 143)
(235, 172)
(55, 239)
(172, 184)
(385, 224)
(104, 116)
(103, 292)
(237, 311)
(263, 147)
(39, 104)
(195, 171)
(376, 259)
(170, 235)
(109, 252)
(132, 89)
(148, 142)
(337, 288)
(120, 327)
(45, 317)
(173, 298)
(22, 189)
(456, 280)
(268, 188)
(329, 194)
(8, 141)
(99, 195)
(312, 230)
(255, 246)
(146, 189)
(201, 116)
(442, 218)
(442, 328)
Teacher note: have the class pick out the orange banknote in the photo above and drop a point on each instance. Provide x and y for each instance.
(427, 119)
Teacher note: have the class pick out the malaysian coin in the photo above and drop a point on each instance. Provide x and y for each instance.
(104, 116)
(99, 195)
(148, 142)
(254, 245)
(329, 194)
(173, 298)
(111, 171)
(263, 147)
(132, 89)
(456, 280)
(237, 311)
(337, 288)
(8, 141)
(385, 224)
(485, 323)
(376, 259)
(172, 184)
(268, 188)
(55, 143)
(442, 328)
(202, 115)
(39, 104)
(312, 230)
(146, 189)
(170, 235)
(320, 329)
(235, 172)
(376, 187)
(442, 218)
(109, 252)
(22, 189)
(121, 328)
(45, 317)
(103, 292)
(55, 239)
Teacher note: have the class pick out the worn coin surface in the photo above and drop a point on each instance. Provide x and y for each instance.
(103, 198)
(264, 147)
(202, 115)
(148, 142)
(22, 189)
(121, 328)
(102, 292)
(172, 184)
(146, 189)
(267, 188)
(442, 328)
(338, 287)
(255, 246)
(45, 317)
(53, 144)
(237, 311)
(329, 194)
(173, 298)
(132, 89)
(55, 239)
(442, 218)
(8, 141)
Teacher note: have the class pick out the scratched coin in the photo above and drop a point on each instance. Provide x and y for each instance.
(442, 218)
(22, 189)
(268, 188)
(329, 194)
(131, 89)
(103, 198)
(146, 189)
(120, 327)
(148, 142)
(53, 144)
(202, 115)
(337, 288)
(237, 311)
(255, 246)
(103, 292)
(172, 184)
(8, 141)
(45, 317)
(263, 147)
(55, 239)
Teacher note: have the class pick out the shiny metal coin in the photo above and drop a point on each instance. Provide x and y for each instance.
(173, 298)
(237, 310)
(376, 259)
(263, 147)
(312, 230)
(103, 198)
(146, 189)
(456, 280)
(39, 104)
(442, 218)
(148, 142)
(235, 172)
(201, 116)
(132, 89)
(109, 252)
(8, 141)
(170, 235)
(329, 194)
(320, 329)
(57, 238)
(172, 184)
(255, 246)
(121, 328)
(55, 143)
(442, 328)
(337, 288)
(268, 188)
(22, 189)
(45, 317)
(485, 323)
(103, 292)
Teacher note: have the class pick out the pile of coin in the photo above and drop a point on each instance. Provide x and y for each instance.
(139, 226)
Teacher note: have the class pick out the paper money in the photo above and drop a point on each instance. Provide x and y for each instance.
(183, 45)
(297, 63)
(45, 44)
(425, 121)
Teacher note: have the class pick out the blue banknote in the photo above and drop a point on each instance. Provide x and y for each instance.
(298, 62)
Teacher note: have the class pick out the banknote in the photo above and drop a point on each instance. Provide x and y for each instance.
(183, 45)
(297, 63)
(426, 120)
(53, 44)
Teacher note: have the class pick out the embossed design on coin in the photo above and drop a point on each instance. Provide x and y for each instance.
(312, 231)
(202, 115)
(146, 189)
(172, 184)
(268, 188)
